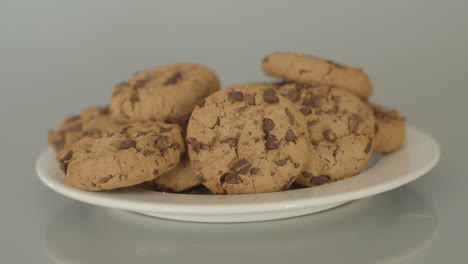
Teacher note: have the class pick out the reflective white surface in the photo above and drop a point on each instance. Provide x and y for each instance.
(57, 57)
(112, 236)
(416, 157)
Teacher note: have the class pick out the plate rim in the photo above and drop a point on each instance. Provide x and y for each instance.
(227, 205)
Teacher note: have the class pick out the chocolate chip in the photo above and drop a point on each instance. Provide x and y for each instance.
(231, 141)
(307, 174)
(89, 132)
(125, 129)
(58, 144)
(201, 178)
(302, 71)
(353, 122)
(335, 151)
(314, 143)
(250, 99)
(291, 118)
(301, 86)
(329, 135)
(319, 180)
(155, 172)
(234, 96)
(254, 171)
(126, 144)
(312, 100)
(141, 133)
(166, 129)
(64, 161)
(175, 77)
(105, 179)
(241, 167)
(290, 136)
(269, 96)
(289, 183)
(281, 162)
(163, 143)
(268, 125)
(231, 178)
(195, 144)
(312, 123)
(271, 142)
(368, 147)
(294, 95)
(305, 111)
(135, 98)
(336, 99)
(147, 153)
(105, 111)
(140, 84)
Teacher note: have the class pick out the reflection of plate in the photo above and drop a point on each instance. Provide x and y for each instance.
(372, 230)
(419, 154)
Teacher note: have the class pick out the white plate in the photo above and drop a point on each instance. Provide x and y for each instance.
(419, 154)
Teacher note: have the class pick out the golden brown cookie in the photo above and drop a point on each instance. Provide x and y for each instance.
(179, 179)
(131, 155)
(167, 93)
(247, 139)
(92, 120)
(341, 130)
(390, 129)
(312, 70)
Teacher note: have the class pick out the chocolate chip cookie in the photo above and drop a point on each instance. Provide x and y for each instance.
(93, 120)
(341, 131)
(247, 139)
(167, 93)
(312, 70)
(128, 156)
(390, 129)
(181, 178)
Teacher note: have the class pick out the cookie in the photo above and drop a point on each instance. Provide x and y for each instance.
(181, 178)
(131, 155)
(341, 131)
(312, 70)
(390, 129)
(93, 120)
(167, 93)
(247, 139)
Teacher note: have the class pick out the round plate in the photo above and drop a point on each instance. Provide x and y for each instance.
(417, 156)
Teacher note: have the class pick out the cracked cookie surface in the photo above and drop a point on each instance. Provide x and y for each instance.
(167, 93)
(312, 70)
(128, 156)
(91, 121)
(247, 139)
(390, 129)
(341, 131)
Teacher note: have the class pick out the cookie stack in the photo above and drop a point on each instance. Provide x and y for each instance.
(173, 128)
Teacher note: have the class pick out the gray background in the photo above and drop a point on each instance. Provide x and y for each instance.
(57, 57)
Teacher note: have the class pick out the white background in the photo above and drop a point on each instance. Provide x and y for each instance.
(57, 57)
